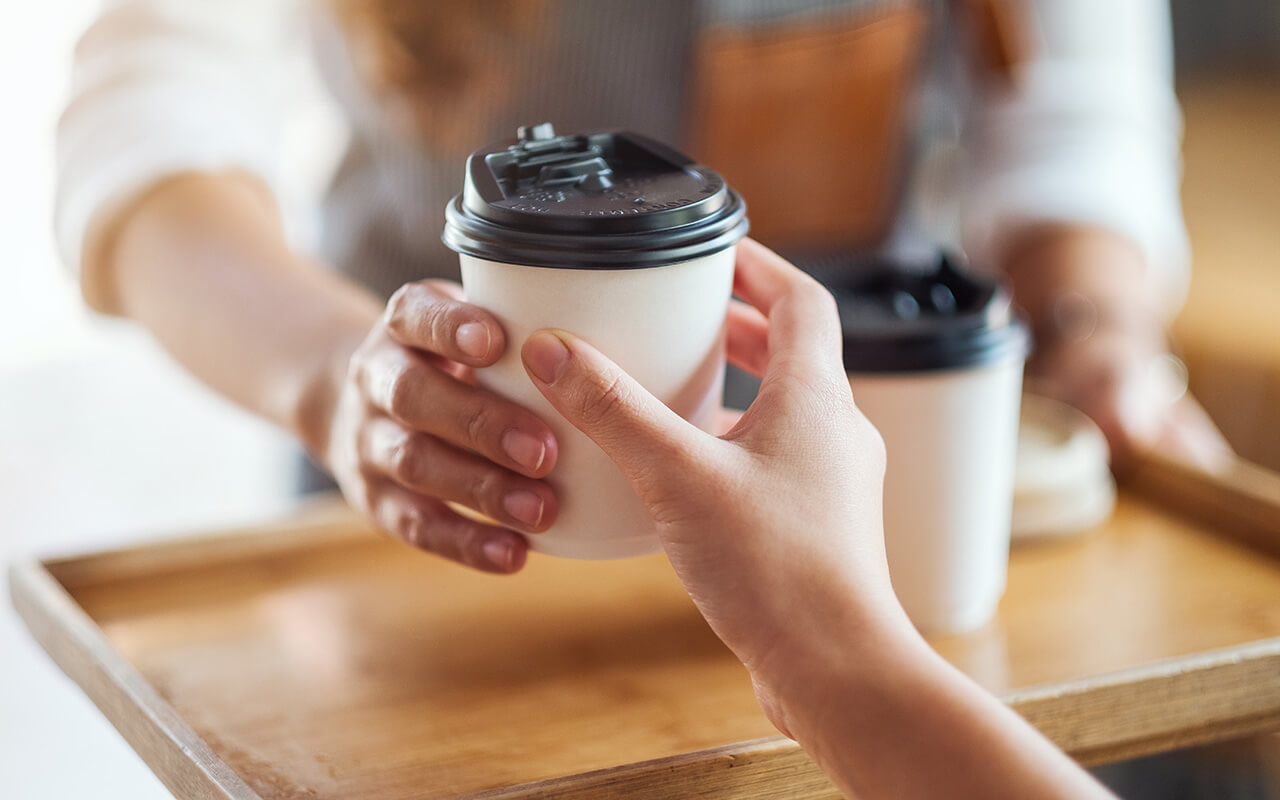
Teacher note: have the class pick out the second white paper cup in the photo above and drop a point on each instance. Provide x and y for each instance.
(934, 357)
(950, 439)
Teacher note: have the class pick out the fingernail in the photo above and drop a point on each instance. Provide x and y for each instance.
(525, 449)
(525, 506)
(473, 339)
(545, 355)
(500, 552)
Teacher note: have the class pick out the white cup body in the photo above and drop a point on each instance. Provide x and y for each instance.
(950, 437)
(663, 325)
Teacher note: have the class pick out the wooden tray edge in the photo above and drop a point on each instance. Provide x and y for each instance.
(1242, 502)
(773, 767)
(173, 751)
(1160, 705)
(319, 522)
(1078, 716)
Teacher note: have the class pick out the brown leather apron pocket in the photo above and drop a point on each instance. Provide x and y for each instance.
(807, 120)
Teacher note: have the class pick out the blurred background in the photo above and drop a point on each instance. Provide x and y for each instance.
(102, 439)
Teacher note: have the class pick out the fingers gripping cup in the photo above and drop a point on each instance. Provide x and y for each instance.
(625, 243)
(935, 362)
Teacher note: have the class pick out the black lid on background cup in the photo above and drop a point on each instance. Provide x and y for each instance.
(897, 319)
(613, 200)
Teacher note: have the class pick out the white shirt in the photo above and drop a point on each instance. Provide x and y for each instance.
(1088, 132)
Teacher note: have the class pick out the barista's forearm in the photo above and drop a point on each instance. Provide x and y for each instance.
(892, 719)
(1062, 272)
(202, 262)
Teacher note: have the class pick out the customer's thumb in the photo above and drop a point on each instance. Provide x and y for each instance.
(635, 429)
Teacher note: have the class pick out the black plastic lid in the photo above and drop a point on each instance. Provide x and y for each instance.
(896, 319)
(600, 201)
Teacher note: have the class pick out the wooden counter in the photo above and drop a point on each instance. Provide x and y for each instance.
(313, 658)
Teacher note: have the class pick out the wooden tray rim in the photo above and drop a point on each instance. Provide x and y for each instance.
(1140, 710)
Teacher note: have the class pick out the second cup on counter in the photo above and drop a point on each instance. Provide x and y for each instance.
(935, 361)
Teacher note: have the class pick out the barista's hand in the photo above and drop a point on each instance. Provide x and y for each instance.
(1101, 347)
(410, 430)
(775, 528)
(1127, 382)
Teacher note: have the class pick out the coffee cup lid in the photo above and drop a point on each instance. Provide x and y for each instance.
(901, 318)
(614, 200)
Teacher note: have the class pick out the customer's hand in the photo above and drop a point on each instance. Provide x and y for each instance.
(776, 527)
(776, 530)
(410, 430)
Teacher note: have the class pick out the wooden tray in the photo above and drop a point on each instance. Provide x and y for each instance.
(313, 658)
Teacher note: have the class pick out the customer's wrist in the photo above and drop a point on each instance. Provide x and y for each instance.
(838, 697)
(807, 671)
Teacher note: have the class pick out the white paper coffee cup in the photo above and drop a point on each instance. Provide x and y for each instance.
(663, 325)
(935, 362)
(626, 244)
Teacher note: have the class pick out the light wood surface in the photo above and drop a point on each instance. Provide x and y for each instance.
(316, 659)
(1240, 501)
(174, 752)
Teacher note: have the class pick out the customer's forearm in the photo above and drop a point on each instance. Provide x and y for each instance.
(894, 720)
(202, 262)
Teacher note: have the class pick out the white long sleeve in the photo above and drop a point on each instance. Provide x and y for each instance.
(165, 86)
(1089, 132)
